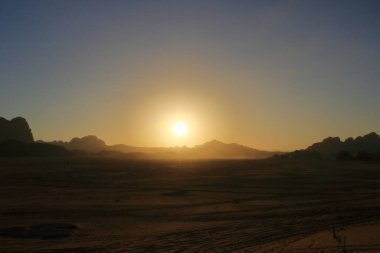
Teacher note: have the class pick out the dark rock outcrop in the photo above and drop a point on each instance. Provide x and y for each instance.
(15, 129)
(332, 146)
(365, 147)
(89, 143)
(329, 145)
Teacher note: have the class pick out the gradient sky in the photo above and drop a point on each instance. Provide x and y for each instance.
(275, 75)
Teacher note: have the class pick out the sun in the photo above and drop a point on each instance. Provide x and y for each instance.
(179, 129)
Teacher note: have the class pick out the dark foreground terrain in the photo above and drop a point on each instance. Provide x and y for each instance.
(110, 205)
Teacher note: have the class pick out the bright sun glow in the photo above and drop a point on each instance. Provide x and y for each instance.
(179, 129)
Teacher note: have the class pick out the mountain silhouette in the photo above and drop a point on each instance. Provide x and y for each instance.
(333, 145)
(330, 145)
(360, 148)
(210, 150)
(89, 143)
(15, 129)
(218, 150)
(16, 140)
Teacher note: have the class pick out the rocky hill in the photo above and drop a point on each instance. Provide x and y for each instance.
(366, 147)
(333, 145)
(219, 150)
(16, 140)
(16, 129)
(89, 143)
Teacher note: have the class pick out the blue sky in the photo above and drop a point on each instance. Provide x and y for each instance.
(269, 74)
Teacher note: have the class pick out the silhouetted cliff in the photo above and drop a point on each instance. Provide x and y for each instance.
(15, 129)
(332, 146)
(16, 140)
(365, 147)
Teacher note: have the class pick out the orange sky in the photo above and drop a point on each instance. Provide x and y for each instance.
(274, 75)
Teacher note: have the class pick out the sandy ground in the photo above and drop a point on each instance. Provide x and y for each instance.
(358, 238)
(109, 205)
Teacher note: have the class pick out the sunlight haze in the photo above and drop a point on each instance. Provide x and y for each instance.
(274, 75)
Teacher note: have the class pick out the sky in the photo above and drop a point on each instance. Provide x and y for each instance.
(274, 75)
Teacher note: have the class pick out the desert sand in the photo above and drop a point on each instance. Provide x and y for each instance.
(115, 205)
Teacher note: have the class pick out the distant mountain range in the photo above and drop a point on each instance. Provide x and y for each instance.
(210, 150)
(16, 139)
